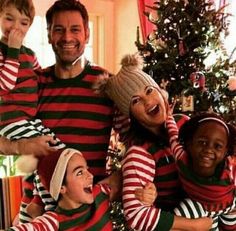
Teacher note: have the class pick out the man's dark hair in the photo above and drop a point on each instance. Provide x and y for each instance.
(66, 5)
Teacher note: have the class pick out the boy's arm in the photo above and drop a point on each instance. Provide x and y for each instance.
(9, 69)
(121, 124)
(186, 224)
(146, 195)
(46, 222)
(173, 132)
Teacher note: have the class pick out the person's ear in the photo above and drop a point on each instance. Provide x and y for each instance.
(63, 189)
(49, 38)
(87, 34)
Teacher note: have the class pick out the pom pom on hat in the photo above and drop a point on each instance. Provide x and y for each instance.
(132, 61)
(127, 82)
(52, 168)
(26, 163)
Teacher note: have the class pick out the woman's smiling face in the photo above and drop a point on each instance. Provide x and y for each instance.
(149, 108)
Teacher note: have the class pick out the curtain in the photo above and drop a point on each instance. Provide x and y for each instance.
(146, 26)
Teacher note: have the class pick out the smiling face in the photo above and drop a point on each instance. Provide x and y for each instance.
(11, 18)
(68, 36)
(149, 108)
(208, 147)
(77, 189)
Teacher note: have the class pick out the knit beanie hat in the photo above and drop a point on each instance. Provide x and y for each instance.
(52, 169)
(126, 83)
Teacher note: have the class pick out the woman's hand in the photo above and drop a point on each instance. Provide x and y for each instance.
(170, 109)
(147, 195)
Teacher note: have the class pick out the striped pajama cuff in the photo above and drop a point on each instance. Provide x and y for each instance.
(192, 209)
(28, 129)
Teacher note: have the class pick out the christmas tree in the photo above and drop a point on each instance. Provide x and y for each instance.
(177, 54)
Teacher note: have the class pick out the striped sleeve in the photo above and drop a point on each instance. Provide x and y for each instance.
(105, 188)
(121, 124)
(42, 223)
(9, 69)
(36, 64)
(138, 168)
(173, 132)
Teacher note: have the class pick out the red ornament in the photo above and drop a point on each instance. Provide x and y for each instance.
(198, 80)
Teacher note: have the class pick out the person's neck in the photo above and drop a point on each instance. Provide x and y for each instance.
(68, 204)
(71, 70)
(155, 130)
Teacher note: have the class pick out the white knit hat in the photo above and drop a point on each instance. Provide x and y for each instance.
(52, 168)
(128, 81)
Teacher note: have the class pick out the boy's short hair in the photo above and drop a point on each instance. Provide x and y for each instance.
(24, 6)
(67, 5)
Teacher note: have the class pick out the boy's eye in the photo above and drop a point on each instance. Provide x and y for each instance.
(79, 173)
(202, 142)
(9, 18)
(24, 23)
(218, 146)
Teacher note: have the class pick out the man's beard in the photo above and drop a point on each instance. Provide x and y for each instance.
(64, 59)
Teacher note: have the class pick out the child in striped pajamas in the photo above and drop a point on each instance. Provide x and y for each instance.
(18, 75)
(19, 84)
(204, 153)
(148, 156)
(80, 205)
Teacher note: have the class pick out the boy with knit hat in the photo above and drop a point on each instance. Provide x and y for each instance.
(80, 205)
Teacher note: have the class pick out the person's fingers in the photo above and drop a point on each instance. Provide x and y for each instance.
(151, 188)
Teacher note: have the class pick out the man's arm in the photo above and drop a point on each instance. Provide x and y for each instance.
(38, 146)
(8, 147)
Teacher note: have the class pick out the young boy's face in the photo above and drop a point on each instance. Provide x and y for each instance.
(208, 147)
(11, 18)
(77, 189)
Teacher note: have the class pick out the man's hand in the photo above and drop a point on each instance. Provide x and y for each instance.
(147, 195)
(37, 146)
